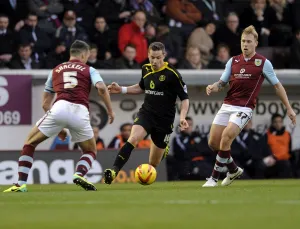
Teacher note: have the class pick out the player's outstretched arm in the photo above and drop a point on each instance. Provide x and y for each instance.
(216, 87)
(280, 91)
(104, 94)
(47, 100)
(219, 86)
(115, 88)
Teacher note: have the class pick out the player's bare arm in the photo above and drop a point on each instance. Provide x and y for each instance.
(47, 100)
(280, 91)
(103, 92)
(183, 112)
(216, 87)
(115, 88)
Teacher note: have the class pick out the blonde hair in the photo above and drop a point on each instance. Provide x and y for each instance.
(250, 30)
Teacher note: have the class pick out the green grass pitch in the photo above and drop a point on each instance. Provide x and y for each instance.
(174, 205)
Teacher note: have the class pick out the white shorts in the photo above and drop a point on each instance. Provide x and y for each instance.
(72, 116)
(236, 114)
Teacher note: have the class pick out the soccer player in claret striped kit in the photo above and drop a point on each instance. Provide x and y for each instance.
(245, 74)
(71, 81)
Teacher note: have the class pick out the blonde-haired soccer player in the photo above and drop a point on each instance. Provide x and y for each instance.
(245, 74)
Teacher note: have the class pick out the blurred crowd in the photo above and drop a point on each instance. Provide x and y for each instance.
(198, 34)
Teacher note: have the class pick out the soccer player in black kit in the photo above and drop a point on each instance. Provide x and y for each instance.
(161, 83)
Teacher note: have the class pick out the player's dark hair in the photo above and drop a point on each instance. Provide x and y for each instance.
(79, 47)
(188, 118)
(157, 46)
(125, 124)
(130, 46)
(276, 115)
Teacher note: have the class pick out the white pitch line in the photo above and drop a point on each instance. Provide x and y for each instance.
(167, 202)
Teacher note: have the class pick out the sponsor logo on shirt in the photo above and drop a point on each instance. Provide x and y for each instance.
(149, 92)
(242, 74)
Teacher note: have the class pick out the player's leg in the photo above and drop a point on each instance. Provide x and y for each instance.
(137, 134)
(224, 155)
(44, 129)
(160, 141)
(237, 122)
(218, 126)
(81, 132)
(89, 153)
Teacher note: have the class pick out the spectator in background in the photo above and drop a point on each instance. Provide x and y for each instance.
(69, 31)
(93, 61)
(295, 51)
(192, 59)
(184, 16)
(133, 33)
(280, 143)
(16, 10)
(23, 59)
(281, 32)
(191, 154)
(247, 152)
(32, 34)
(105, 39)
(202, 39)
(47, 11)
(223, 55)
(56, 57)
(211, 10)
(118, 141)
(172, 44)
(7, 41)
(115, 12)
(99, 141)
(262, 17)
(127, 61)
(146, 6)
(85, 11)
(229, 34)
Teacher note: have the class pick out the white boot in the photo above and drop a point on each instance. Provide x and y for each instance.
(210, 183)
(232, 176)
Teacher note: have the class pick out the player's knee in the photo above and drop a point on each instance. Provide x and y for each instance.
(226, 141)
(213, 145)
(134, 140)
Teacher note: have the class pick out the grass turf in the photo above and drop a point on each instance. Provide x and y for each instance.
(245, 204)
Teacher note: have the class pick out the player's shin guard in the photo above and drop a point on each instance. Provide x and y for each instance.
(123, 156)
(221, 163)
(85, 163)
(25, 163)
(232, 167)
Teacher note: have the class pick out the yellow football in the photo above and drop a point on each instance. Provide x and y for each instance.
(145, 174)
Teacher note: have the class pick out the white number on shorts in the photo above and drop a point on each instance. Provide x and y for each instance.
(70, 79)
(167, 138)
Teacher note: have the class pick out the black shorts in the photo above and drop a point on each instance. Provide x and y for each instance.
(160, 130)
